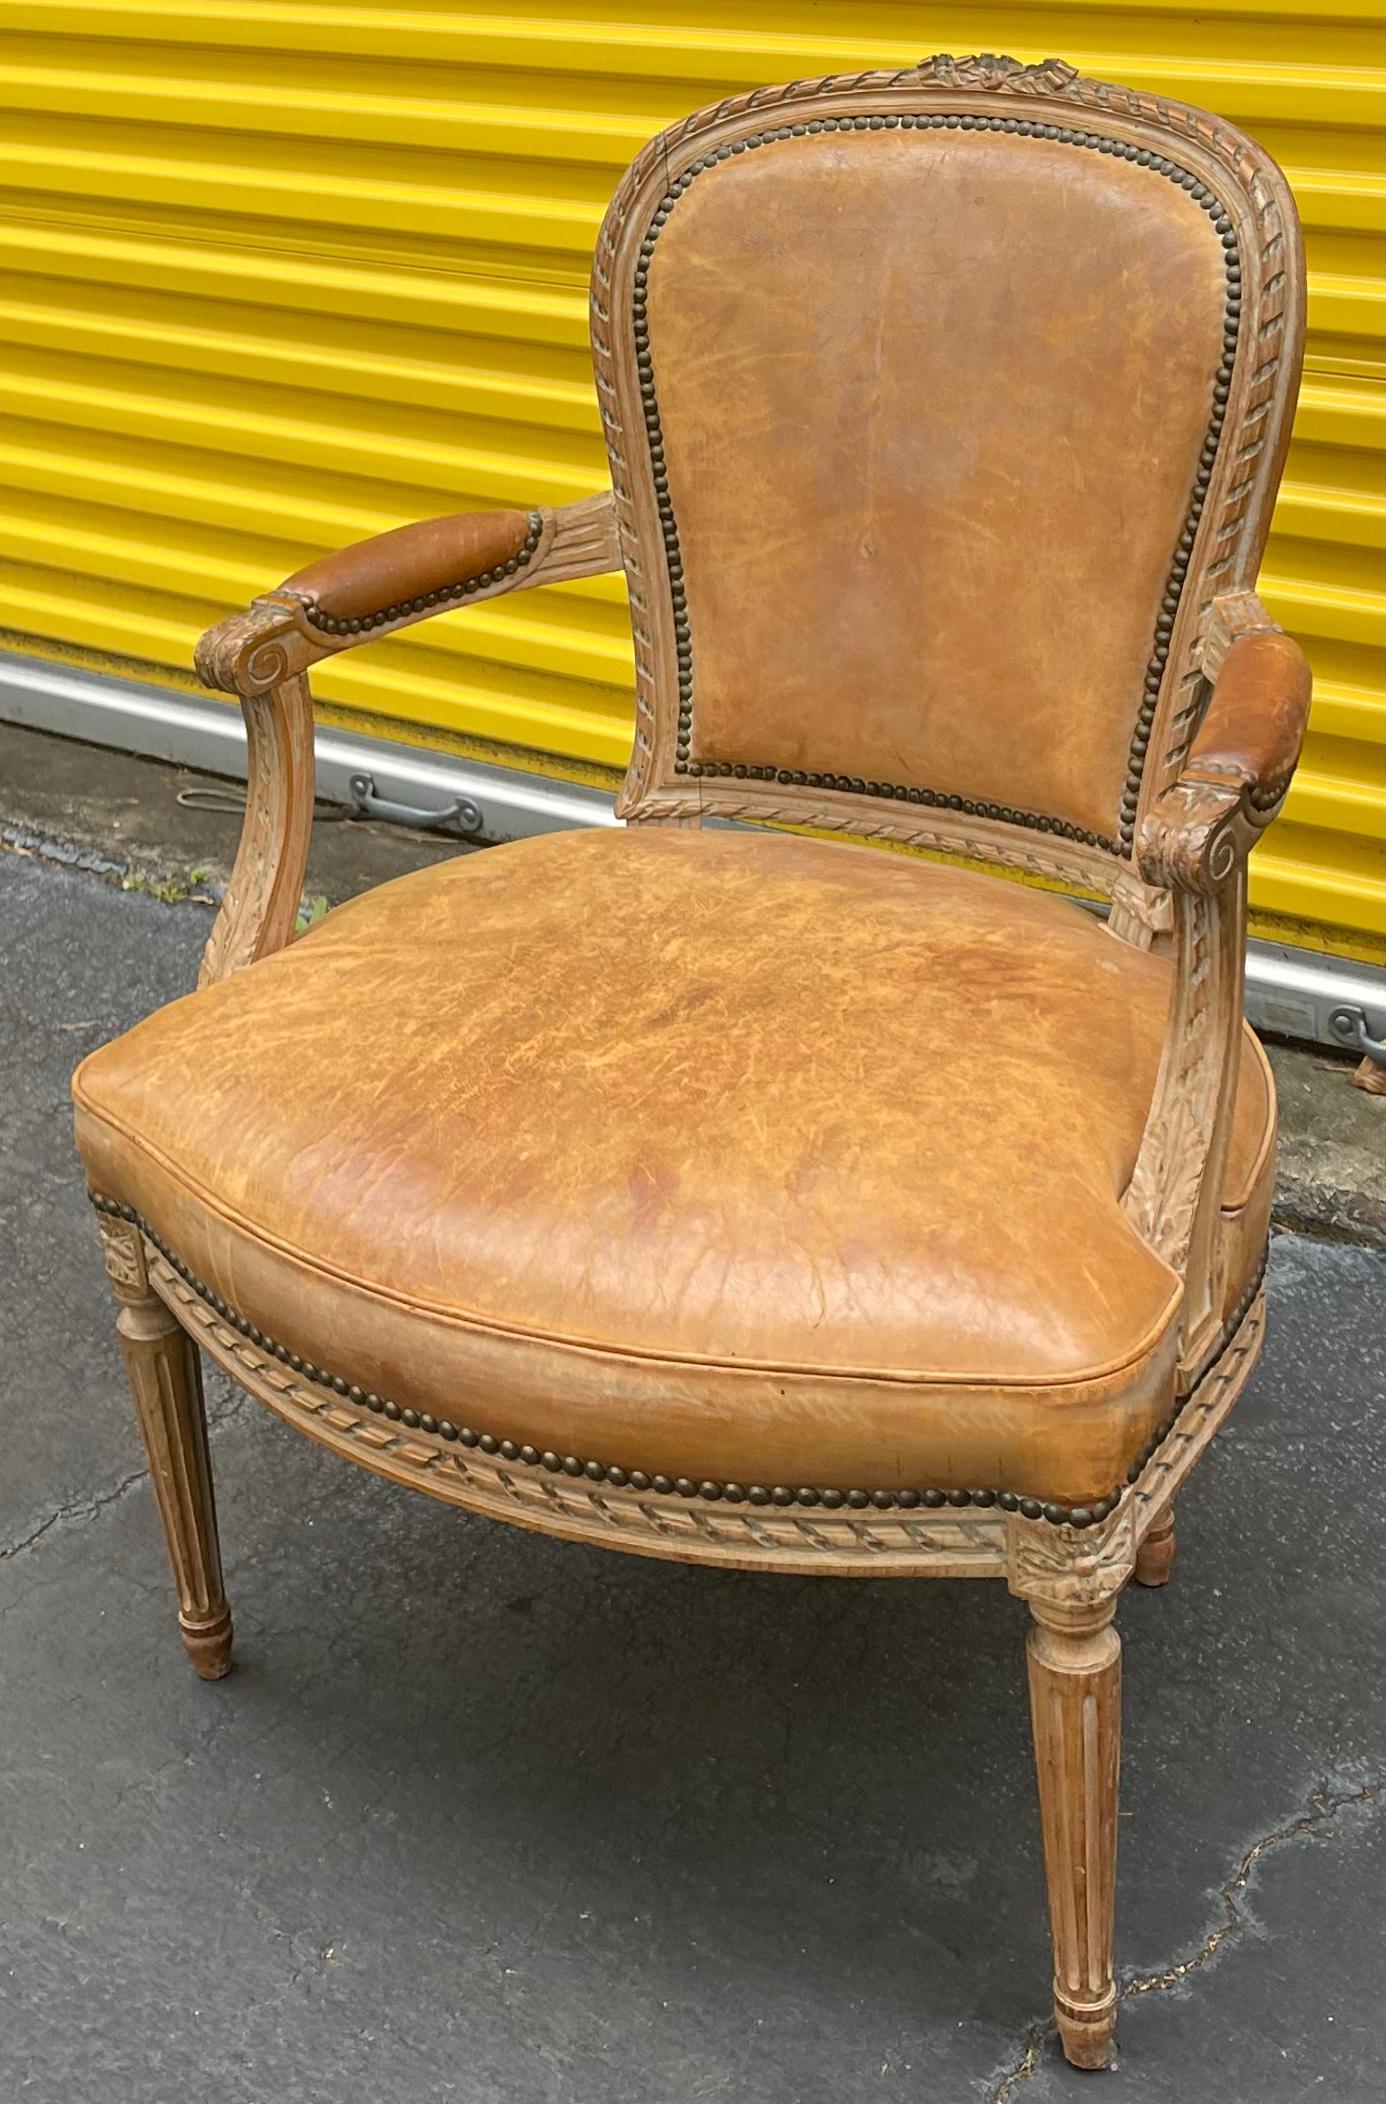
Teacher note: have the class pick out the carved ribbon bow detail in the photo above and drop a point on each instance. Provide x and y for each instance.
(988, 69)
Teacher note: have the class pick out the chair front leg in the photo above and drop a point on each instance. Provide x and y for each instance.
(1071, 1581)
(1075, 1706)
(166, 1383)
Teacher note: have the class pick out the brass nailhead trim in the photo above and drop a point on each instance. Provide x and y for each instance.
(446, 595)
(1120, 843)
(553, 1464)
(1267, 795)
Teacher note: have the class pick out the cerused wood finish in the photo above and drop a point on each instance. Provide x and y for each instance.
(1155, 1557)
(1189, 749)
(1075, 1696)
(166, 1383)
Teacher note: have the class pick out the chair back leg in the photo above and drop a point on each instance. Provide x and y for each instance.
(1155, 1557)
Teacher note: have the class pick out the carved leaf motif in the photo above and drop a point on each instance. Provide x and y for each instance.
(1054, 1565)
(1195, 837)
(120, 1246)
(678, 807)
(1187, 1440)
(1163, 1197)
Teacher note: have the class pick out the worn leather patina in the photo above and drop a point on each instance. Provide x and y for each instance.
(731, 1156)
(875, 445)
(377, 578)
(1254, 726)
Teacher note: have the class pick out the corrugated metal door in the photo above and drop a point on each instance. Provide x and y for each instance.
(275, 275)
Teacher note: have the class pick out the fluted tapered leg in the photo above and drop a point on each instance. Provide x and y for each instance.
(1075, 1703)
(1155, 1557)
(166, 1383)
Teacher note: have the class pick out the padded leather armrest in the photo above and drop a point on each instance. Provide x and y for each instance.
(1238, 767)
(402, 577)
(1254, 727)
(434, 563)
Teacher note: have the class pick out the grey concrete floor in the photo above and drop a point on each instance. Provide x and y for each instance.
(485, 1817)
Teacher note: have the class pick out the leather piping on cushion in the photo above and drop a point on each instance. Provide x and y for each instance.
(644, 1388)
(464, 1318)
(1056, 1446)
(1057, 1513)
(1069, 1444)
(1233, 1203)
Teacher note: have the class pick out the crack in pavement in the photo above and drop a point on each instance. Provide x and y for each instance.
(77, 1512)
(218, 1414)
(1235, 1923)
(1036, 2039)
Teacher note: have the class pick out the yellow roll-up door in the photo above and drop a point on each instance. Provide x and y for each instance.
(276, 274)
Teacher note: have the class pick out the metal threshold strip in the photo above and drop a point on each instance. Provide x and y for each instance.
(1291, 992)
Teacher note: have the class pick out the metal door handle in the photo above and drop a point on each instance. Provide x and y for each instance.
(1349, 1026)
(462, 812)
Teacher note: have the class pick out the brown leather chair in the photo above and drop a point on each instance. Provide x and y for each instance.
(744, 1195)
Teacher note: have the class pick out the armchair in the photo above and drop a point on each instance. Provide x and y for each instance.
(742, 1196)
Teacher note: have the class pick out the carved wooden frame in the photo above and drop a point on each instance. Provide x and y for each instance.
(1177, 874)
(1032, 1554)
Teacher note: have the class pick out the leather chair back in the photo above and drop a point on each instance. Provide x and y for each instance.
(940, 407)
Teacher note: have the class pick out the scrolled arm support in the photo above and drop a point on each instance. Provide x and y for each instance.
(1195, 841)
(375, 588)
(1194, 838)
(251, 652)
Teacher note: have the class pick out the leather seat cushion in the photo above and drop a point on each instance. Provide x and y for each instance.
(732, 1155)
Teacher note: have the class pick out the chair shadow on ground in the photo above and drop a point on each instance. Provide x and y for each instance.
(738, 1749)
